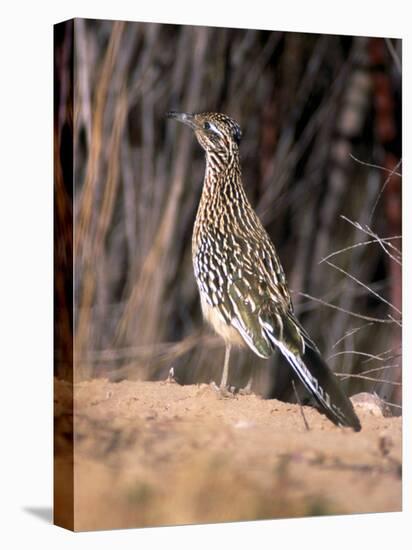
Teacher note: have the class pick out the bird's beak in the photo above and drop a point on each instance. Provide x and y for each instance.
(186, 118)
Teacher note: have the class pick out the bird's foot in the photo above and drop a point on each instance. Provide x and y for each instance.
(171, 376)
(245, 391)
(224, 392)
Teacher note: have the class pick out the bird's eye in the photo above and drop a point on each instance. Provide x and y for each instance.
(237, 135)
(206, 125)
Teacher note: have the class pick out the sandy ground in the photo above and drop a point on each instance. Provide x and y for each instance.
(156, 453)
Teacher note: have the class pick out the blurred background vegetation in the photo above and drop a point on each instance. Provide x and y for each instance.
(321, 157)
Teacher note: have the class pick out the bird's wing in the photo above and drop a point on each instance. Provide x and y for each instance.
(242, 278)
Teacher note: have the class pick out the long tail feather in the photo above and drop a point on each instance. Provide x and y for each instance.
(323, 385)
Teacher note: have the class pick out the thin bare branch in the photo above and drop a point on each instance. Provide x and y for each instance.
(383, 353)
(302, 412)
(351, 247)
(385, 183)
(351, 333)
(397, 321)
(369, 378)
(364, 286)
(384, 243)
(354, 352)
(352, 313)
(391, 172)
(384, 367)
(366, 229)
(393, 404)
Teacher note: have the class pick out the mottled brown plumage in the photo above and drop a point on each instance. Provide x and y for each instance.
(242, 286)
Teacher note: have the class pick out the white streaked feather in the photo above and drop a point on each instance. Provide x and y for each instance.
(308, 380)
(247, 337)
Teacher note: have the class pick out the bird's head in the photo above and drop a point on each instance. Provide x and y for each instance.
(215, 132)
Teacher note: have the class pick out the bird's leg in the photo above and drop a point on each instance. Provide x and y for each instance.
(223, 390)
(225, 373)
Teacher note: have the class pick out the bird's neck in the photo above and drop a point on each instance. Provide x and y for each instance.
(221, 175)
(223, 197)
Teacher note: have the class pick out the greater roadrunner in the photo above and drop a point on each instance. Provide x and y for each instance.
(243, 290)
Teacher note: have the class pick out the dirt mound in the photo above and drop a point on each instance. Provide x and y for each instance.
(153, 453)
